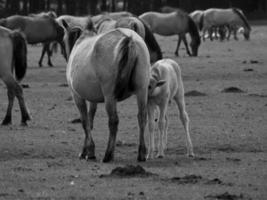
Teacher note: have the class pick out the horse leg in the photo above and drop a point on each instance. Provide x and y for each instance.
(178, 46)
(42, 55)
(186, 45)
(10, 93)
(179, 99)
(165, 139)
(24, 112)
(162, 127)
(235, 33)
(151, 126)
(49, 52)
(142, 120)
(88, 151)
(91, 113)
(113, 122)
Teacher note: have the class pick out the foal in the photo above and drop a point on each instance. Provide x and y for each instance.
(166, 84)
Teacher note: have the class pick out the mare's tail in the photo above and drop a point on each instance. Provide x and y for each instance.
(19, 54)
(127, 60)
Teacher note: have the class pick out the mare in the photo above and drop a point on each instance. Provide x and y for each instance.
(13, 54)
(137, 25)
(37, 28)
(178, 22)
(165, 85)
(231, 17)
(108, 67)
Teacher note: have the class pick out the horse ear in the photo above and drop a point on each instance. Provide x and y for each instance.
(65, 24)
(160, 83)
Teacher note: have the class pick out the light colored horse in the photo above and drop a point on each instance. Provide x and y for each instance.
(165, 85)
(231, 16)
(13, 50)
(108, 67)
(173, 23)
(111, 15)
(106, 24)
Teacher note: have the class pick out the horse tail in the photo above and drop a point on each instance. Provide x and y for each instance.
(201, 21)
(151, 41)
(193, 30)
(242, 16)
(19, 54)
(127, 60)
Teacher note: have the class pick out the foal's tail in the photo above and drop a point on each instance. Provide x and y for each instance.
(19, 54)
(127, 60)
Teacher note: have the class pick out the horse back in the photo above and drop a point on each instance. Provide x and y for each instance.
(216, 16)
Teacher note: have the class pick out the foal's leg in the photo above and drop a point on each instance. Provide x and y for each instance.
(179, 99)
(162, 127)
(142, 120)
(186, 45)
(178, 46)
(113, 122)
(88, 151)
(165, 139)
(151, 126)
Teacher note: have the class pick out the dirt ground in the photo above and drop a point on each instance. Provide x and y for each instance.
(228, 130)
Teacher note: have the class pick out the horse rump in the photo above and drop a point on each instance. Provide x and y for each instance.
(19, 54)
(127, 60)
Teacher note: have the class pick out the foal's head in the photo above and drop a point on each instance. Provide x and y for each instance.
(154, 85)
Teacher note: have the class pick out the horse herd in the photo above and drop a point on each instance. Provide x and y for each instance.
(109, 58)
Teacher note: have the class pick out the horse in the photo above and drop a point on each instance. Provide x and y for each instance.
(48, 47)
(177, 22)
(139, 26)
(37, 28)
(197, 16)
(13, 54)
(168, 9)
(112, 15)
(107, 67)
(165, 85)
(230, 16)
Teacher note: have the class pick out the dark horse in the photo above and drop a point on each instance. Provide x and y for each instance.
(13, 51)
(37, 28)
(177, 22)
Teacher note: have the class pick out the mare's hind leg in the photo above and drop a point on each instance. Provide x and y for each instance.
(186, 45)
(178, 46)
(113, 122)
(179, 99)
(88, 151)
(142, 120)
(10, 93)
(91, 113)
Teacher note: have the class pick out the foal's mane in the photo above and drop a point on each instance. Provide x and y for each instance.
(242, 16)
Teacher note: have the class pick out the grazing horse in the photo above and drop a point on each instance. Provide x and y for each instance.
(137, 25)
(231, 16)
(165, 85)
(177, 22)
(37, 28)
(13, 51)
(107, 67)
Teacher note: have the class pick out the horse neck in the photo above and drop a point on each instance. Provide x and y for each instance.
(193, 30)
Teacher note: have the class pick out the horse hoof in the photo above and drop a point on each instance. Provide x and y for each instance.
(50, 65)
(40, 65)
(24, 123)
(6, 121)
(86, 156)
(191, 155)
(160, 156)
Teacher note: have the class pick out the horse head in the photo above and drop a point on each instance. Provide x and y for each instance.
(193, 31)
(246, 33)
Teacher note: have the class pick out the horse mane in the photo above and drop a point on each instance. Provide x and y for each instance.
(193, 30)
(150, 40)
(127, 56)
(3, 22)
(242, 16)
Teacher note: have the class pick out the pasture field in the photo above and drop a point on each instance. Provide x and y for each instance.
(228, 131)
